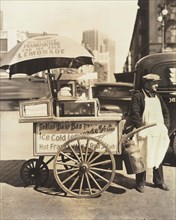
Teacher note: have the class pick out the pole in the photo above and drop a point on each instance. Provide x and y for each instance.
(163, 36)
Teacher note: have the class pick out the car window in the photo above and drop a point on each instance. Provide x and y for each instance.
(113, 91)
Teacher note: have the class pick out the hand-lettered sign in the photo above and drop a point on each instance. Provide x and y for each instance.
(49, 136)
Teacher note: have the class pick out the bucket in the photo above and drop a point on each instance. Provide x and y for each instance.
(132, 158)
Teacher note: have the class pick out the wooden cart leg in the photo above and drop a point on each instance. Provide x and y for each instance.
(38, 164)
(39, 161)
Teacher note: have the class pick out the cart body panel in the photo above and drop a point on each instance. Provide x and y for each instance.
(49, 136)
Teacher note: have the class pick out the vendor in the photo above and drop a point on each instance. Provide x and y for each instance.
(148, 107)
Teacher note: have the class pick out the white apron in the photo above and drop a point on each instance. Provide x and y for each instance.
(154, 141)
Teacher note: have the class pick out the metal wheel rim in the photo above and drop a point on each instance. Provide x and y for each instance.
(84, 168)
(31, 175)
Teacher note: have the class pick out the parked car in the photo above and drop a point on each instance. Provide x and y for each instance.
(113, 97)
(127, 77)
(163, 64)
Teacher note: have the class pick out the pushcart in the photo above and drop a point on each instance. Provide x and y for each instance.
(84, 144)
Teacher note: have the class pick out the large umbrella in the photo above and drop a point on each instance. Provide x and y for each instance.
(44, 53)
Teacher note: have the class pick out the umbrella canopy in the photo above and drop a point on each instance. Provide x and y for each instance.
(43, 53)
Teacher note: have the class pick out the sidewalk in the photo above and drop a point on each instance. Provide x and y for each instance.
(121, 201)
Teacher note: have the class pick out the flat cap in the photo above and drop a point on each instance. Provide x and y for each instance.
(151, 77)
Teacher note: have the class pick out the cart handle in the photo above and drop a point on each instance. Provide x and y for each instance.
(127, 136)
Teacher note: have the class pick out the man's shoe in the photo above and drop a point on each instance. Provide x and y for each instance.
(140, 189)
(162, 186)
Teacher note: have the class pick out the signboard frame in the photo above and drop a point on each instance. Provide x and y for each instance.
(48, 136)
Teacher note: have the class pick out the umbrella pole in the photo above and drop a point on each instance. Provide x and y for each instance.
(49, 83)
(52, 91)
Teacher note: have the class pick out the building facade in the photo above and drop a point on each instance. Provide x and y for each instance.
(9, 38)
(103, 50)
(154, 30)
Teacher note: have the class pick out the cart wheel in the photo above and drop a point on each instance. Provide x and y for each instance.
(65, 160)
(33, 175)
(81, 173)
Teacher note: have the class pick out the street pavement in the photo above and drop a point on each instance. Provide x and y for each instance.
(120, 202)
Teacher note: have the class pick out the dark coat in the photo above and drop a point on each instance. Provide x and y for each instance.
(137, 109)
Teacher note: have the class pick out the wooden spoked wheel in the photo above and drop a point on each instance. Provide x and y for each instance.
(33, 173)
(80, 173)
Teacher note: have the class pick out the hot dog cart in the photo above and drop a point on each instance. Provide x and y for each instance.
(83, 143)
